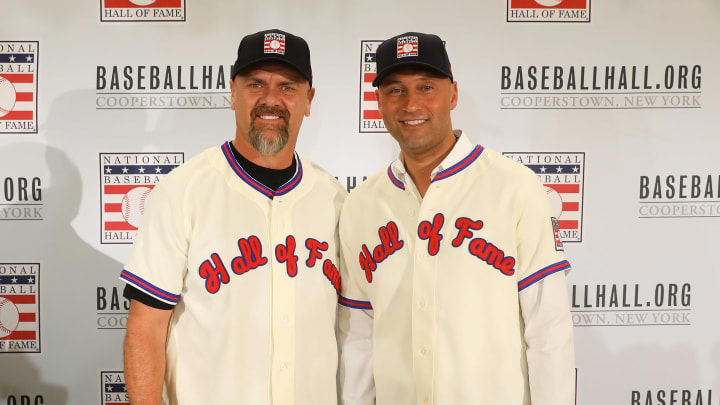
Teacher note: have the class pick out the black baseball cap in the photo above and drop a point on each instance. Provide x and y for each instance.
(412, 49)
(274, 46)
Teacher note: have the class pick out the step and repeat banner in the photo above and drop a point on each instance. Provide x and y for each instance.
(615, 104)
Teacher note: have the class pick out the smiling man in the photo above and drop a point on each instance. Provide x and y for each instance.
(454, 291)
(233, 275)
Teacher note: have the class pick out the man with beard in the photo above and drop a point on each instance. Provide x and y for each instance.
(233, 275)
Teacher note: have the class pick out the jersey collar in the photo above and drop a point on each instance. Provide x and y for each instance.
(261, 188)
(461, 156)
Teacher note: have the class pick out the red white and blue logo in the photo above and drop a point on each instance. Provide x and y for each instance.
(407, 46)
(563, 176)
(19, 308)
(142, 10)
(370, 120)
(126, 180)
(112, 388)
(18, 87)
(548, 11)
(274, 43)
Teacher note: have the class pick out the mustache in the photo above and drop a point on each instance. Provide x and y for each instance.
(267, 110)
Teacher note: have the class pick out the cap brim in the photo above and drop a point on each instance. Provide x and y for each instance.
(268, 59)
(382, 74)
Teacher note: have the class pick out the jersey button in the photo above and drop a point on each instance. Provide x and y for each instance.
(422, 304)
(284, 319)
(284, 366)
(424, 351)
(411, 212)
(426, 400)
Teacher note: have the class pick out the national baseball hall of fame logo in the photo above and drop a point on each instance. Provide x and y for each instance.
(126, 180)
(370, 120)
(18, 87)
(562, 174)
(112, 388)
(142, 10)
(19, 308)
(548, 11)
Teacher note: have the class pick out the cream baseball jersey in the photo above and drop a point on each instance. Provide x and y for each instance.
(444, 275)
(254, 277)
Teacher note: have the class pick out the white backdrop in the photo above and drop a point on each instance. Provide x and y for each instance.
(641, 207)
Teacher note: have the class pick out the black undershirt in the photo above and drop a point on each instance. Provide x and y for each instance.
(270, 178)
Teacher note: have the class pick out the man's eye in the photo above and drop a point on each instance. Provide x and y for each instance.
(427, 88)
(255, 85)
(287, 88)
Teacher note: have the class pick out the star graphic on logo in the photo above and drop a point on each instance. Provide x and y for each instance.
(369, 58)
(124, 387)
(108, 170)
(125, 169)
(158, 170)
(559, 169)
(14, 280)
(543, 169)
(575, 169)
(31, 280)
(12, 58)
(29, 58)
(141, 169)
(108, 388)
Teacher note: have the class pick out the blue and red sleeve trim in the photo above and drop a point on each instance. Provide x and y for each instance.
(347, 302)
(542, 273)
(156, 292)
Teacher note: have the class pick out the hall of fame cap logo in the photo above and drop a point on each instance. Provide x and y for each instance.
(19, 308)
(142, 10)
(370, 121)
(548, 11)
(274, 43)
(18, 87)
(563, 175)
(407, 46)
(126, 180)
(113, 390)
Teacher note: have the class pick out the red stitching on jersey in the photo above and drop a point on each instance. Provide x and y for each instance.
(492, 255)
(331, 272)
(431, 232)
(315, 247)
(286, 254)
(464, 225)
(389, 244)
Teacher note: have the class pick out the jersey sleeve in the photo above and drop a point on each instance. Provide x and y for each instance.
(353, 293)
(158, 258)
(539, 248)
(356, 382)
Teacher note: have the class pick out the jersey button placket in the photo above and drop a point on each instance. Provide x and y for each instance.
(283, 298)
(423, 314)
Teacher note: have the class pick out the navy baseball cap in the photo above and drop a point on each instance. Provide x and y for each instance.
(274, 46)
(412, 49)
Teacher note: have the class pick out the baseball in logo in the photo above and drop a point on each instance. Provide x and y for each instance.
(274, 43)
(18, 87)
(548, 11)
(19, 308)
(370, 121)
(407, 46)
(126, 182)
(562, 174)
(113, 389)
(142, 10)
